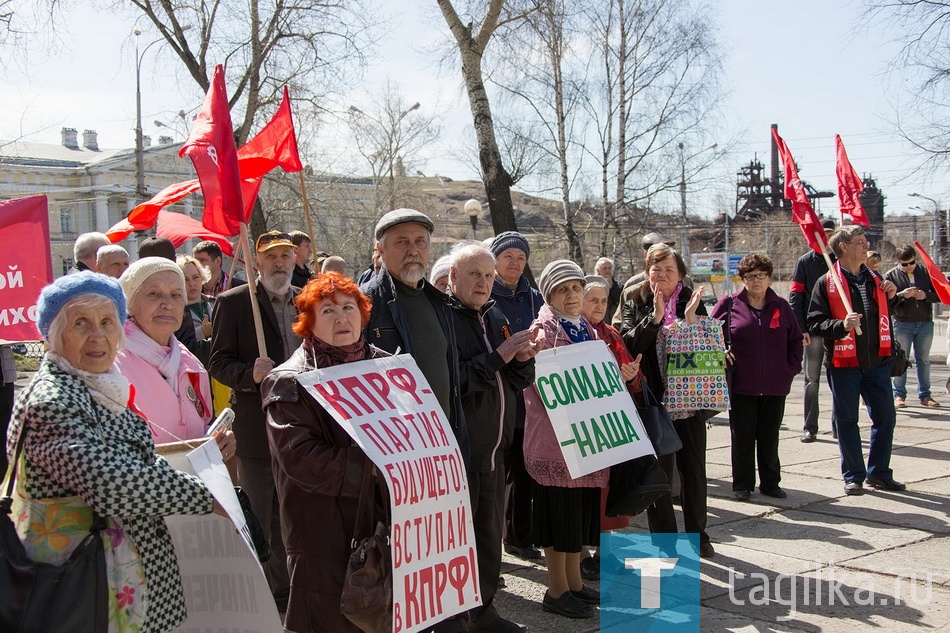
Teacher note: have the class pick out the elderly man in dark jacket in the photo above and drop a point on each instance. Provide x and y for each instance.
(410, 315)
(857, 360)
(496, 365)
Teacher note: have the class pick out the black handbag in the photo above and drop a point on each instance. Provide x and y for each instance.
(658, 425)
(44, 598)
(634, 486)
(898, 361)
(367, 599)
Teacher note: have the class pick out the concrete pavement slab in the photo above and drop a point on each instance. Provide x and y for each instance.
(925, 561)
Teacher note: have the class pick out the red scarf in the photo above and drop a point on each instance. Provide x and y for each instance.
(845, 351)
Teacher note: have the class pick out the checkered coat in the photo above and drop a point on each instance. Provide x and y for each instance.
(74, 446)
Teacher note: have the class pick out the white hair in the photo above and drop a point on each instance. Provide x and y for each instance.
(184, 260)
(58, 324)
(109, 249)
(604, 260)
(88, 244)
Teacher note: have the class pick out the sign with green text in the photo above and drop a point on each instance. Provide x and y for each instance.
(590, 409)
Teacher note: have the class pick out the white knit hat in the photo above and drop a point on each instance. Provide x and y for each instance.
(136, 274)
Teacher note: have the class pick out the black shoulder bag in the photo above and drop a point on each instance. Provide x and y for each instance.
(45, 598)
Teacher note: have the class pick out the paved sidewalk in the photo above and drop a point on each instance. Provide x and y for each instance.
(867, 547)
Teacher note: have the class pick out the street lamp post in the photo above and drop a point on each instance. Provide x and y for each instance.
(139, 144)
(472, 208)
(934, 228)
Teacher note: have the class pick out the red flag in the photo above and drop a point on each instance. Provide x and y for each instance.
(211, 148)
(179, 227)
(274, 146)
(802, 211)
(941, 285)
(849, 186)
(25, 265)
(143, 217)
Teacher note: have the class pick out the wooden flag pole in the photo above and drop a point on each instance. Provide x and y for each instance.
(252, 291)
(845, 298)
(306, 210)
(234, 261)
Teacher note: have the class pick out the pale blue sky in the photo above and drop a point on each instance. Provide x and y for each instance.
(807, 66)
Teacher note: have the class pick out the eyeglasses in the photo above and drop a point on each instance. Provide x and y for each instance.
(863, 243)
(756, 276)
(906, 264)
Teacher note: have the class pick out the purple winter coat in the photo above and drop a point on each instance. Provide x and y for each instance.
(767, 348)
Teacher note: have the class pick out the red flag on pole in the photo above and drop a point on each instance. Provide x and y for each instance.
(25, 264)
(941, 285)
(179, 227)
(211, 148)
(849, 186)
(274, 146)
(143, 217)
(802, 211)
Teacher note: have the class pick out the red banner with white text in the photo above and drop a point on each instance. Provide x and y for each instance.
(25, 265)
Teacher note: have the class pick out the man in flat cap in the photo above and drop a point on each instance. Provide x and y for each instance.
(411, 315)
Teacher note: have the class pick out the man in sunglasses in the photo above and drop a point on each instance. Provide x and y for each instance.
(913, 322)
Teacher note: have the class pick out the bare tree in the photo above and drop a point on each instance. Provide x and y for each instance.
(471, 47)
(923, 29)
(543, 82)
(263, 46)
(389, 136)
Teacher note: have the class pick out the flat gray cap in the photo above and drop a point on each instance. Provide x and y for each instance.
(402, 216)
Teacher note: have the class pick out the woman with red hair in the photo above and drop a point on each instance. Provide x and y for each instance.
(318, 469)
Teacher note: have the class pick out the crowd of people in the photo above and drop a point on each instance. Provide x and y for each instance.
(146, 353)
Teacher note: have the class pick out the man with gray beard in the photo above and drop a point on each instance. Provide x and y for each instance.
(412, 316)
(236, 362)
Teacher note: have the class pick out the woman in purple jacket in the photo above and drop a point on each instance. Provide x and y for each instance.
(765, 352)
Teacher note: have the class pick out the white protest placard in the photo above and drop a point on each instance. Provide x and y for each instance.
(593, 415)
(389, 410)
(224, 584)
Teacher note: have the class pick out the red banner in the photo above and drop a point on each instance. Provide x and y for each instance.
(274, 146)
(939, 280)
(850, 186)
(179, 228)
(25, 265)
(802, 211)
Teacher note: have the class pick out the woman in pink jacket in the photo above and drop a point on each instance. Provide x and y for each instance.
(171, 389)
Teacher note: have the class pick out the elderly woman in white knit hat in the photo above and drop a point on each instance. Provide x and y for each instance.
(566, 510)
(172, 390)
(439, 274)
(82, 456)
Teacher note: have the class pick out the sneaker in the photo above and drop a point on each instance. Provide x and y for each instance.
(886, 484)
(567, 605)
(590, 567)
(929, 402)
(588, 595)
(808, 437)
(742, 495)
(899, 403)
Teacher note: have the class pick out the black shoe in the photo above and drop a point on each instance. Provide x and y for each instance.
(499, 625)
(887, 484)
(742, 495)
(524, 553)
(854, 488)
(590, 567)
(588, 595)
(808, 437)
(706, 550)
(776, 492)
(567, 605)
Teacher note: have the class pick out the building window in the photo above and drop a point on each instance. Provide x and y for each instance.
(66, 220)
(67, 264)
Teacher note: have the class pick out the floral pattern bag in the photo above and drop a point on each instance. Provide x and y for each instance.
(695, 366)
(50, 529)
